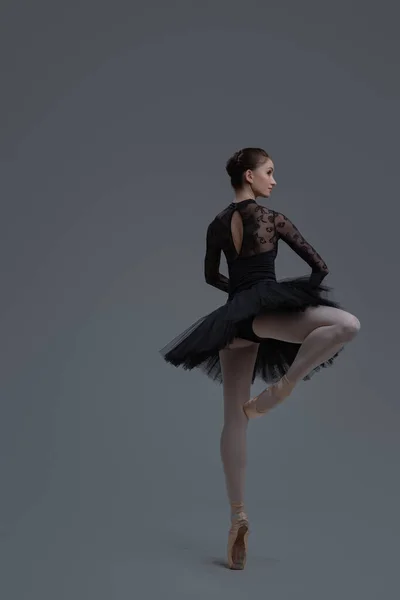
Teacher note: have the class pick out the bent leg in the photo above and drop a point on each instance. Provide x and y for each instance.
(295, 327)
(322, 332)
(237, 371)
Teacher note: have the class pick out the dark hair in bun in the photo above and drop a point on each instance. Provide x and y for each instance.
(241, 161)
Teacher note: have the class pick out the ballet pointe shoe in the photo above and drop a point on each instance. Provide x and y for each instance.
(279, 390)
(237, 541)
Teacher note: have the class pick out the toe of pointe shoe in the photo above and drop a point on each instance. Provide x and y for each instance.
(280, 390)
(250, 409)
(237, 543)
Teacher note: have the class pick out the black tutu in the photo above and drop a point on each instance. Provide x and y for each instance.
(199, 345)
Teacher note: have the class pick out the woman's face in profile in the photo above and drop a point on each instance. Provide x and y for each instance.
(262, 179)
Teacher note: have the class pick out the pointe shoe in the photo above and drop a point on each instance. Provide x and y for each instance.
(237, 541)
(281, 390)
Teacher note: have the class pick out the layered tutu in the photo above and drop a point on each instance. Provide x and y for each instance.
(199, 345)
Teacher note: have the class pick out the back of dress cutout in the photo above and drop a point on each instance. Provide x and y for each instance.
(252, 229)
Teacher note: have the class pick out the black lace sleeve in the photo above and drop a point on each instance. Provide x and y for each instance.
(213, 258)
(292, 236)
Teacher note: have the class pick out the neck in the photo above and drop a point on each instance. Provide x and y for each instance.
(245, 193)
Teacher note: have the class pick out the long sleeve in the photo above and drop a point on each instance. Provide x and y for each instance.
(291, 235)
(212, 260)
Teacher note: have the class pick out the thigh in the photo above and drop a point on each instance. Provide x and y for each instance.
(241, 343)
(295, 327)
(237, 372)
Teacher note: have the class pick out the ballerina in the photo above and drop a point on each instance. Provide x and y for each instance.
(279, 331)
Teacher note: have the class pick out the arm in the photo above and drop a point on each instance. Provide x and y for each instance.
(212, 260)
(292, 236)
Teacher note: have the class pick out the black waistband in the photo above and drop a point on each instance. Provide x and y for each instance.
(244, 272)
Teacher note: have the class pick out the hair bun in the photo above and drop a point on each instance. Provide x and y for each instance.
(238, 156)
(246, 158)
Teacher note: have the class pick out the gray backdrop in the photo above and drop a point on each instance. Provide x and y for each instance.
(116, 123)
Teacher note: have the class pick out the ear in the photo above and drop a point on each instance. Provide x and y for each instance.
(248, 176)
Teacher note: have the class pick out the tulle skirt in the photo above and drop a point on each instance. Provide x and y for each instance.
(198, 346)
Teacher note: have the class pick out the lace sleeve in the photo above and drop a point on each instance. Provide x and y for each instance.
(212, 260)
(292, 236)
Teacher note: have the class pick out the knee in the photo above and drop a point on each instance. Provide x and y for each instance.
(348, 328)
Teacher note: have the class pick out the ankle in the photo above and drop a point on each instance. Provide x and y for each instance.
(236, 508)
(285, 385)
